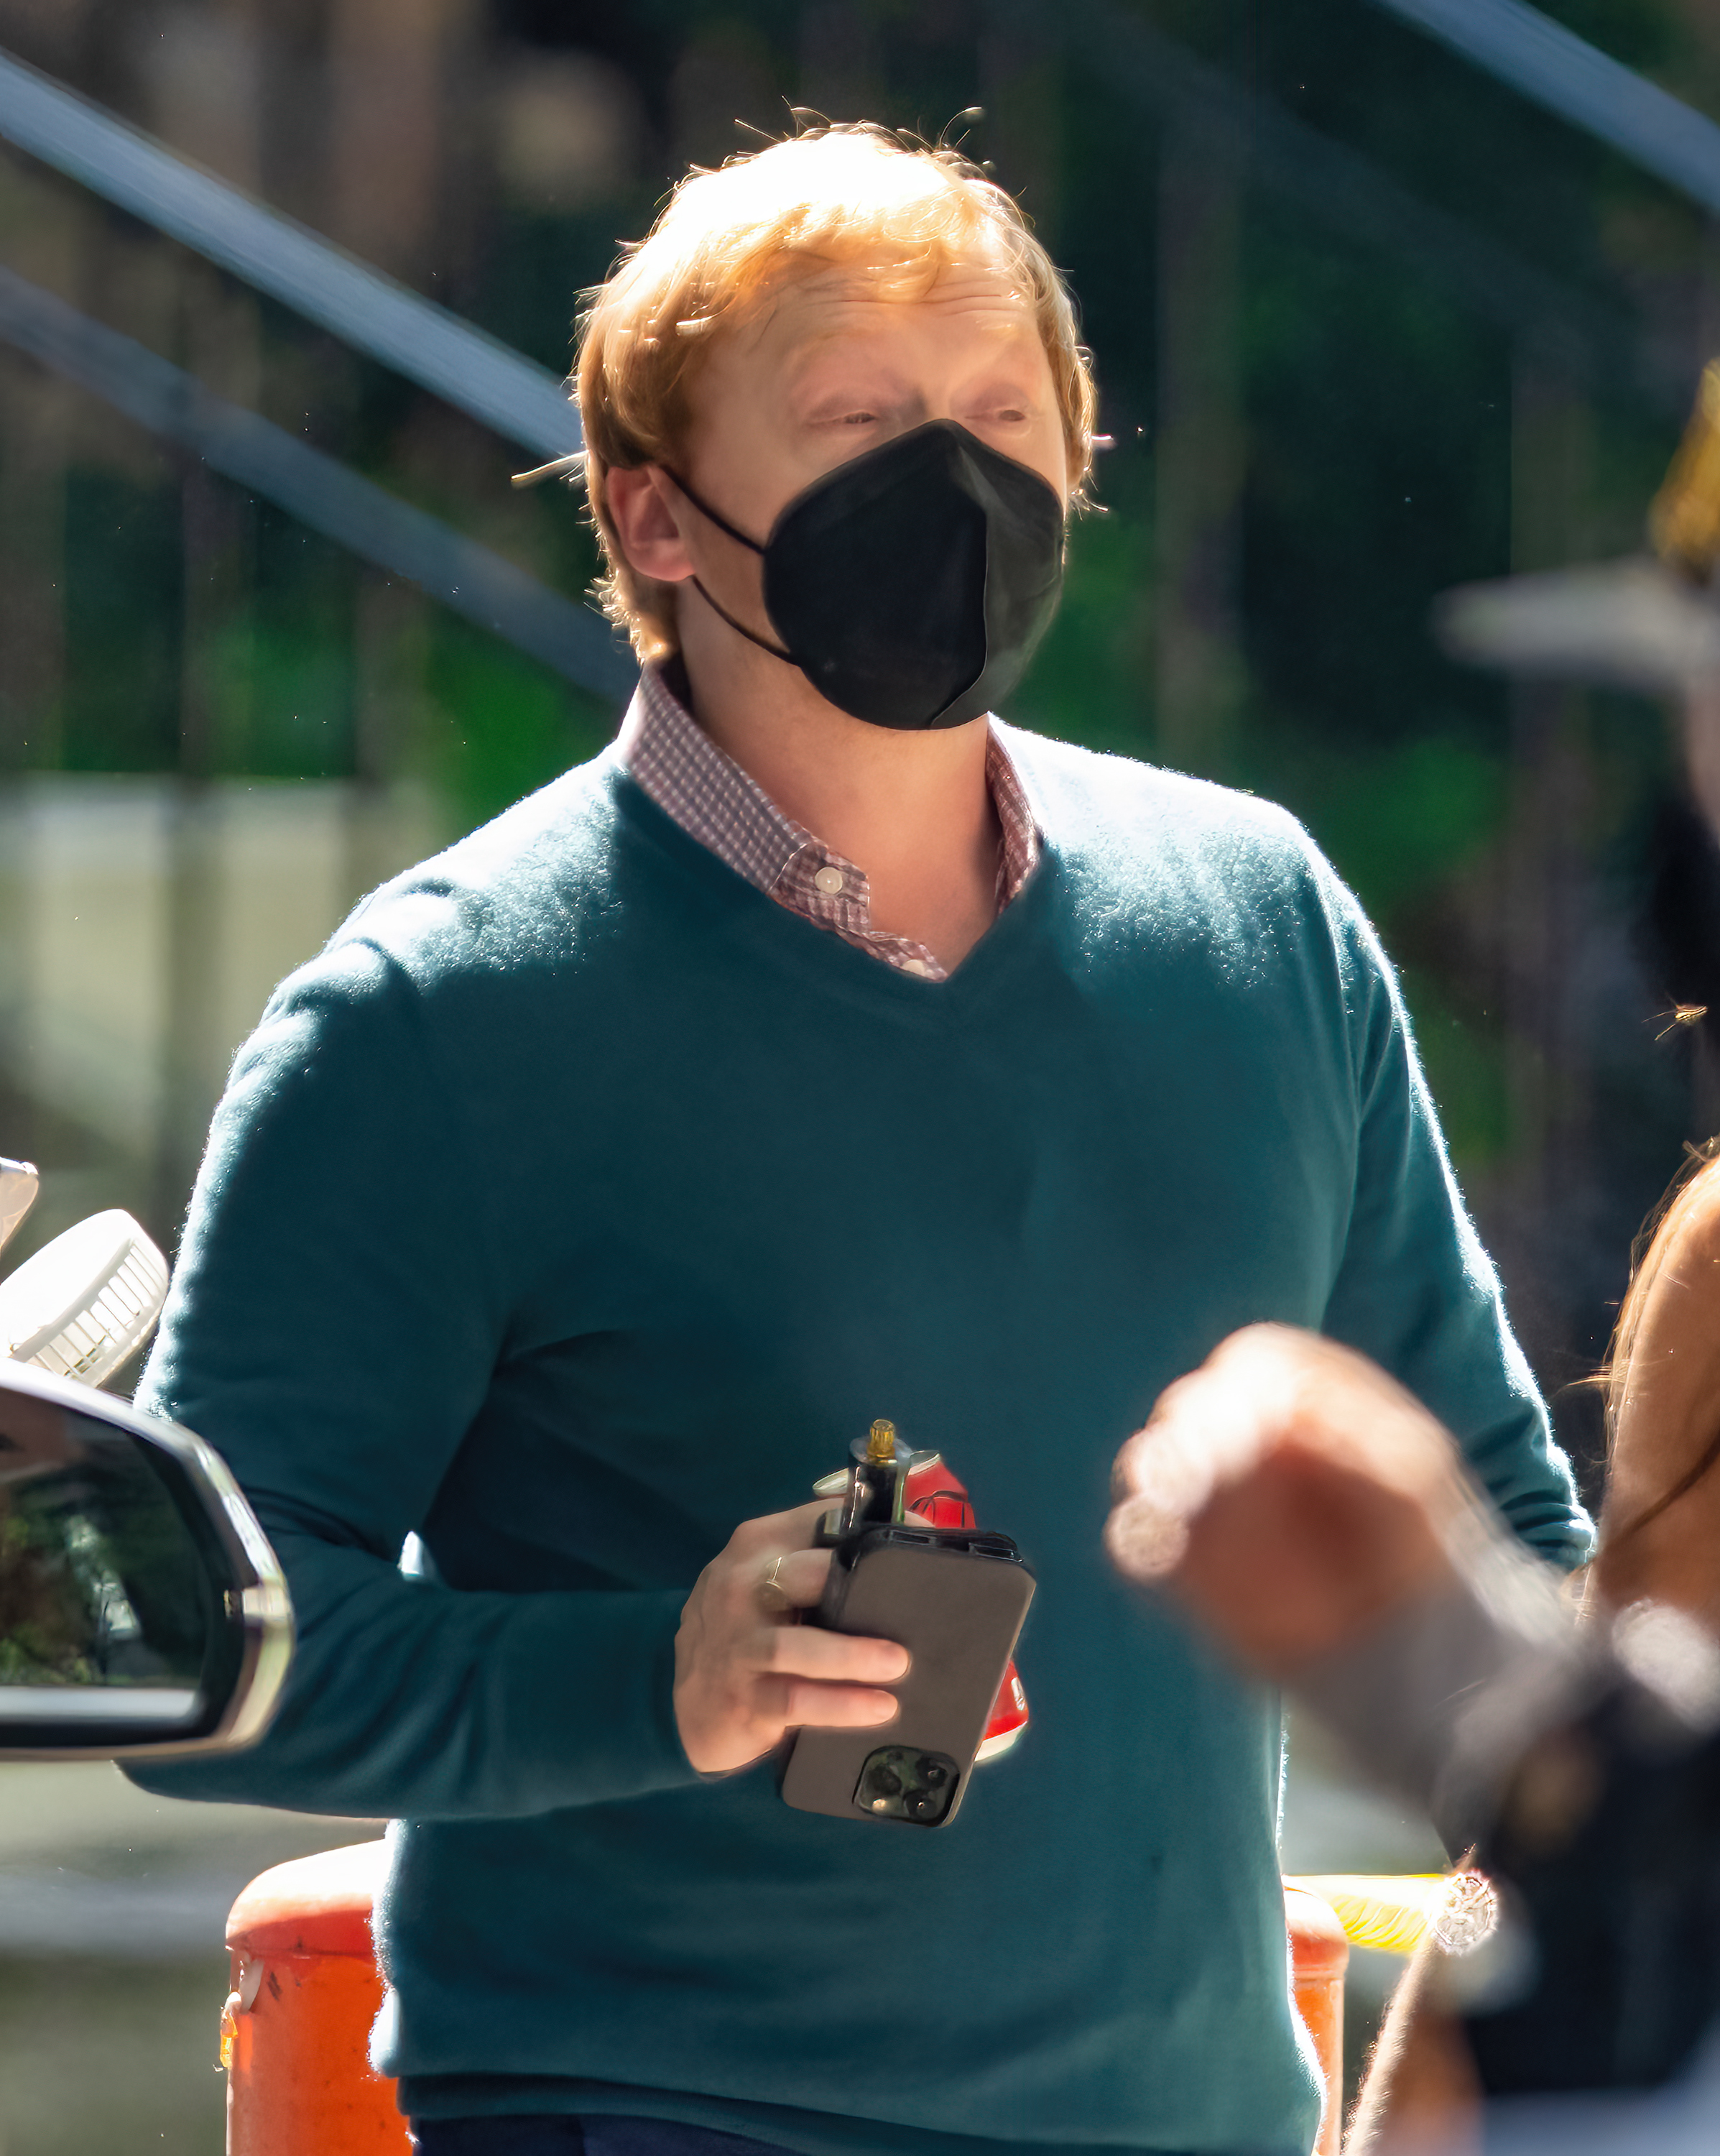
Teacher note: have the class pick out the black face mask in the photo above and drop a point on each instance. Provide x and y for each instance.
(911, 585)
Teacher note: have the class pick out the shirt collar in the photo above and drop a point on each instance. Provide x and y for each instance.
(676, 763)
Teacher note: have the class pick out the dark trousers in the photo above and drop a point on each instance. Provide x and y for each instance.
(594, 2136)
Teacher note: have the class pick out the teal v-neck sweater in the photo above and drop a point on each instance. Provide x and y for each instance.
(579, 1203)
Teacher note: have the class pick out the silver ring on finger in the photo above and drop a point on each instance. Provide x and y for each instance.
(772, 1594)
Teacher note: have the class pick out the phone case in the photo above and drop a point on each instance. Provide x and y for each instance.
(955, 1599)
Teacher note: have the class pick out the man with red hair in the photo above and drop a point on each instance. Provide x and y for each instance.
(827, 1050)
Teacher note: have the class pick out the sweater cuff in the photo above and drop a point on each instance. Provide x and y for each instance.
(1426, 1701)
(589, 1699)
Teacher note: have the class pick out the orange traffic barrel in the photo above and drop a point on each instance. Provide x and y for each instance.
(295, 2033)
(1319, 1954)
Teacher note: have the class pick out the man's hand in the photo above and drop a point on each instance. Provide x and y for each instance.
(1290, 1494)
(745, 1673)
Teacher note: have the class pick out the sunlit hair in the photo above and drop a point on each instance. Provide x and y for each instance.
(727, 239)
(1693, 1191)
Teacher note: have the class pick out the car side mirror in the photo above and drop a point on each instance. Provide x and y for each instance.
(142, 1608)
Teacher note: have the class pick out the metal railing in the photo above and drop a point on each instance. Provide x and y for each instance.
(1559, 71)
(320, 490)
(463, 365)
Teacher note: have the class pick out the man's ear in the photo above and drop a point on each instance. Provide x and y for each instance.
(647, 525)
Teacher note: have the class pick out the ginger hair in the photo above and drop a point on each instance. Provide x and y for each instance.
(726, 239)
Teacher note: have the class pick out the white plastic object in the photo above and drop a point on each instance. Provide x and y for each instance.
(86, 1302)
(18, 1184)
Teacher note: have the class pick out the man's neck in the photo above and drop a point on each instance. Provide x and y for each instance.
(913, 810)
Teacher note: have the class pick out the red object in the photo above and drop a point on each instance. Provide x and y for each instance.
(295, 2032)
(940, 1499)
(1319, 1954)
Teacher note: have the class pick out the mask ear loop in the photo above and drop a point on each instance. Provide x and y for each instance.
(722, 612)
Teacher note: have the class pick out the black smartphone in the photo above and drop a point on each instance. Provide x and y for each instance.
(956, 1599)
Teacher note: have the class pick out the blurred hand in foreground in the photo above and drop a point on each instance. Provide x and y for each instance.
(1290, 1494)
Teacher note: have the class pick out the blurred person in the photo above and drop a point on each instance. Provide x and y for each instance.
(1315, 1518)
(1649, 623)
(1660, 1521)
(826, 1048)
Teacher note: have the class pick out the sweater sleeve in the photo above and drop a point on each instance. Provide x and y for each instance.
(1415, 1289)
(337, 1313)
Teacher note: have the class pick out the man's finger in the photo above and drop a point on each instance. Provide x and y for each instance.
(805, 1650)
(792, 1530)
(799, 1575)
(837, 1707)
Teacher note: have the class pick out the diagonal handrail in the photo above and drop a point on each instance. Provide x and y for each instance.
(1349, 194)
(464, 366)
(327, 495)
(1557, 68)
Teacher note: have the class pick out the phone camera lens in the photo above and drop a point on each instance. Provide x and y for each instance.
(900, 1782)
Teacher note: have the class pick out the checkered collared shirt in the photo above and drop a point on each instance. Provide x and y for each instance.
(674, 761)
